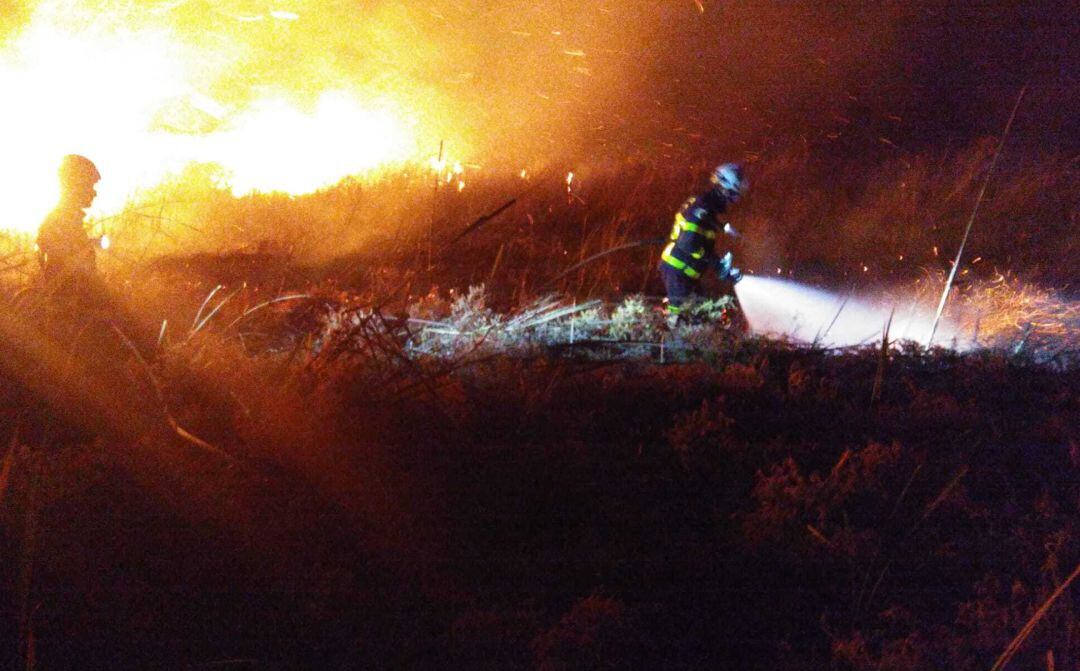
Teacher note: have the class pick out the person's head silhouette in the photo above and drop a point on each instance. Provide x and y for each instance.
(78, 177)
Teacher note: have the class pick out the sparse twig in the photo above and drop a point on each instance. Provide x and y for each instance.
(1022, 636)
(930, 508)
(941, 497)
(480, 221)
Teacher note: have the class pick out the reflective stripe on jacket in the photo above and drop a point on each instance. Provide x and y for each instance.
(693, 236)
(678, 259)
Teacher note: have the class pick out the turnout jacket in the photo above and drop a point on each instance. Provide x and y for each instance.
(63, 245)
(692, 247)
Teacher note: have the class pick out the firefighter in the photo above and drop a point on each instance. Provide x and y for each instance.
(66, 253)
(68, 258)
(691, 250)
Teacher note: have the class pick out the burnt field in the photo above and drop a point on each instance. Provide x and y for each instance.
(340, 455)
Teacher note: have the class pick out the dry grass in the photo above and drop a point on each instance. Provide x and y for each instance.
(816, 217)
(420, 472)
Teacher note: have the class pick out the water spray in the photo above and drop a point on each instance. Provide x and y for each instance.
(806, 314)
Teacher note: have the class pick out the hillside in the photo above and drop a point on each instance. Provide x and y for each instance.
(350, 495)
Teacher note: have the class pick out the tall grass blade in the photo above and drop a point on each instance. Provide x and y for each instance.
(213, 312)
(1014, 646)
(630, 245)
(495, 265)
(824, 334)
(169, 419)
(202, 307)
(883, 360)
(971, 221)
(260, 306)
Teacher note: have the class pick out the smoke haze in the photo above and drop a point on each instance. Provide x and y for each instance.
(557, 78)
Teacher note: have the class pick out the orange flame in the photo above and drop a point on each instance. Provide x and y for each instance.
(135, 97)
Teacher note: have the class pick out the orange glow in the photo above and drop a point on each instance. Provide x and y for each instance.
(144, 100)
(275, 146)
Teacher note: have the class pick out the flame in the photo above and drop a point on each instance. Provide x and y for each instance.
(276, 147)
(134, 96)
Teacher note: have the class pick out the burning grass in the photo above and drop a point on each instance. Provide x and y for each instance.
(526, 474)
(827, 222)
(1007, 311)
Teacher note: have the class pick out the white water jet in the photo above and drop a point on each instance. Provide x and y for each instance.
(802, 313)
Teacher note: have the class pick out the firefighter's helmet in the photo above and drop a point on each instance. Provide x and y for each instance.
(729, 179)
(78, 170)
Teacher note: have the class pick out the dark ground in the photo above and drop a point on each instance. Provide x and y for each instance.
(752, 510)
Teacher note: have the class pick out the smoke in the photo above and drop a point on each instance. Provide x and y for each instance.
(809, 315)
(510, 81)
(293, 95)
(529, 78)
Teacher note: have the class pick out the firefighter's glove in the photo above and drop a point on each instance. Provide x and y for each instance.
(723, 266)
(726, 270)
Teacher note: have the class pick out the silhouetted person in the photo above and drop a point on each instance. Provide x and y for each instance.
(68, 258)
(66, 253)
